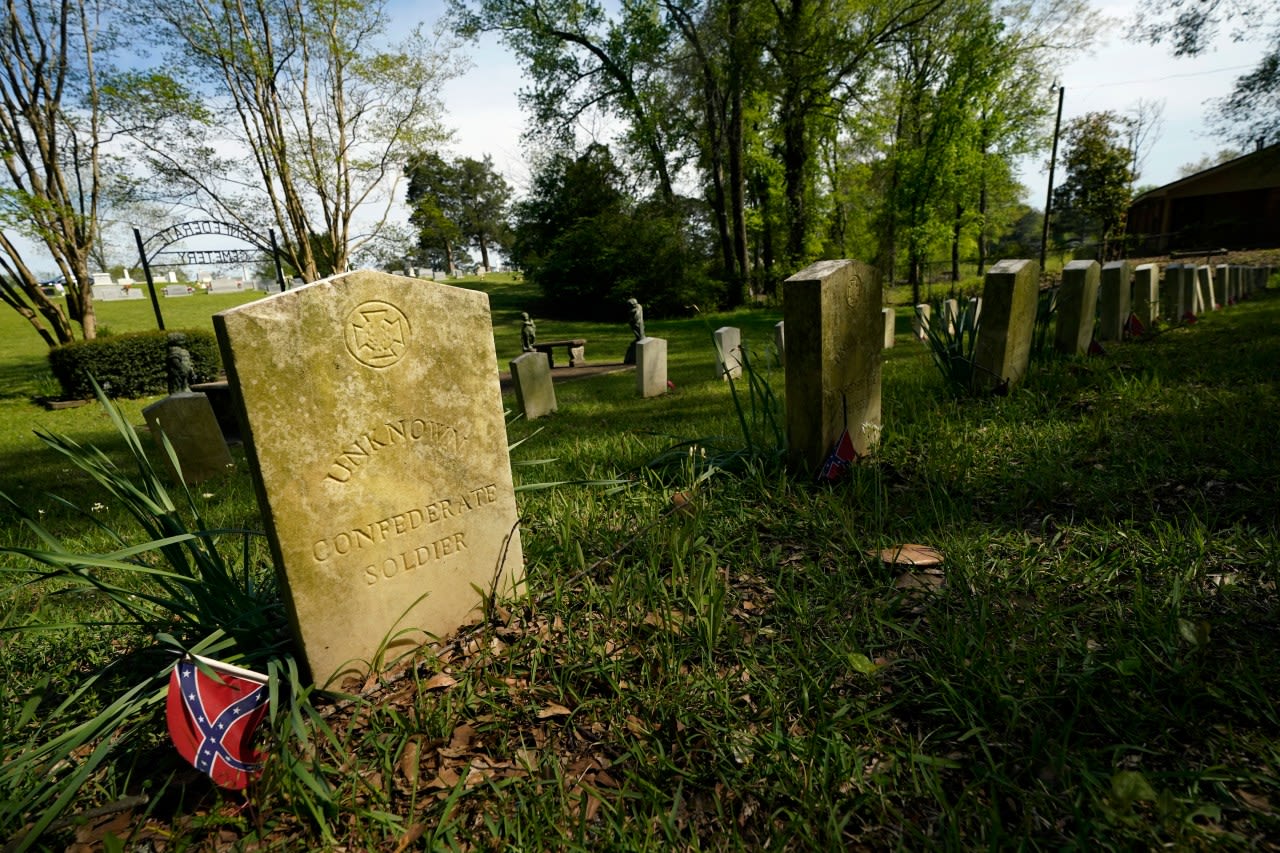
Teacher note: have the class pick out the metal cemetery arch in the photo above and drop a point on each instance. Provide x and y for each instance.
(154, 247)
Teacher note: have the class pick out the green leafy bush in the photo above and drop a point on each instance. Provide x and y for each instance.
(589, 244)
(129, 365)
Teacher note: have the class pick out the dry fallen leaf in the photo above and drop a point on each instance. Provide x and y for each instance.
(553, 709)
(409, 759)
(920, 556)
(463, 735)
(1257, 802)
(440, 681)
(446, 778)
(927, 580)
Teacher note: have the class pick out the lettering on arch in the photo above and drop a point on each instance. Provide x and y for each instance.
(168, 236)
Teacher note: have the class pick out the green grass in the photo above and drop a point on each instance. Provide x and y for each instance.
(1096, 669)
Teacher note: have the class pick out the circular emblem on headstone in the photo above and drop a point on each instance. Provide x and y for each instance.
(377, 334)
(852, 289)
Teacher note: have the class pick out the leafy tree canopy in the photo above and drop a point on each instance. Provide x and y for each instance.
(1092, 200)
(589, 245)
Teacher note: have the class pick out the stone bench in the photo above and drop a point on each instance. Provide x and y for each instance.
(576, 348)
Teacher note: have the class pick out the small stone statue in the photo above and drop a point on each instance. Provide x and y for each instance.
(528, 333)
(637, 329)
(178, 364)
(637, 318)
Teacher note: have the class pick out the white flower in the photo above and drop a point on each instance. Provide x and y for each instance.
(98, 507)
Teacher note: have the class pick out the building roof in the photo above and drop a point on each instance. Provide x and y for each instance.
(1253, 162)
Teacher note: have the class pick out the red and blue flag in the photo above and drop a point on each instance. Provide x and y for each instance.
(839, 459)
(212, 720)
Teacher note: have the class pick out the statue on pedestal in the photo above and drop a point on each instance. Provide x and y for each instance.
(528, 333)
(178, 366)
(637, 329)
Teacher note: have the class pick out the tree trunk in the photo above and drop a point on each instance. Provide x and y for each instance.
(955, 246)
(734, 139)
(982, 203)
(484, 252)
(795, 157)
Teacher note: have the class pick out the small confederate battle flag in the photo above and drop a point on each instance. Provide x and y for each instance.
(212, 720)
(839, 459)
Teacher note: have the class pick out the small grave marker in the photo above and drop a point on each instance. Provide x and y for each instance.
(1009, 299)
(535, 393)
(833, 313)
(651, 366)
(1113, 300)
(1077, 301)
(188, 421)
(920, 322)
(1204, 290)
(1146, 294)
(951, 314)
(728, 352)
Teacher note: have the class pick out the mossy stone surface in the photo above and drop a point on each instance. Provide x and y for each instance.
(376, 437)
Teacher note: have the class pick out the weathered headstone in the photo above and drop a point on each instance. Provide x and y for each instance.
(1204, 280)
(177, 290)
(1113, 300)
(920, 321)
(1077, 307)
(780, 341)
(1190, 291)
(1220, 286)
(728, 352)
(1171, 294)
(1009, 300)
(833, 312)
(890, 326)
(651, 366)
(109, 292)
(951, 315)
(374, 426)
(975, 311)
(535, 392)
(1146, 293)
(189, 423)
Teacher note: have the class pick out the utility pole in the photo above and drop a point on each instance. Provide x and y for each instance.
(1053, 158)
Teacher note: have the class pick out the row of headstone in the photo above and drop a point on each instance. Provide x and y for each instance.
(1110, 294)
(535, 391)
(922, 316)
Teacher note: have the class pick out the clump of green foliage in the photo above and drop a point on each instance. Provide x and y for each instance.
(129, 365)
(589, 245)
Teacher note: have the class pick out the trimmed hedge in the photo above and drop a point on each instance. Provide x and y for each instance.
(130, 365)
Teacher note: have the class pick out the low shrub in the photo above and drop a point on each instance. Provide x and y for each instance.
(129, 365)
